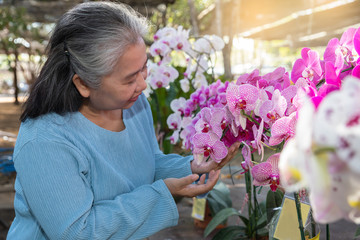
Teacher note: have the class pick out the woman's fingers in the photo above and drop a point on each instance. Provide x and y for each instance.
(185, 187)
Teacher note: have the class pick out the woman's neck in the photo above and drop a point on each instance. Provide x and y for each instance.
(111, 120)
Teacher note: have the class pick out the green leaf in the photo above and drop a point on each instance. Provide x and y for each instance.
(231, 232)
(219, 218)
(261, 223)
(244, 219)
(219, 198)
(357, 233)
(273, 201)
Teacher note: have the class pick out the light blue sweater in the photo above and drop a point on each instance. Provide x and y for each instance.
(76, 180)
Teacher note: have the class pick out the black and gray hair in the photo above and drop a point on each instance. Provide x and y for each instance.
(87, 40)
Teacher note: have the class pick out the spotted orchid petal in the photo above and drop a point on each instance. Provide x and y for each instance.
(208, 145)
(241, 98)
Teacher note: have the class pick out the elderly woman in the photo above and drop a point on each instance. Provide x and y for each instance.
(87, 160)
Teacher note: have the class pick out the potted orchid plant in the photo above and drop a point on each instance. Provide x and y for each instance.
(180, 64)
(273, 111)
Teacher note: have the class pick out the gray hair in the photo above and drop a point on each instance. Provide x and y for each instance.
(87, 40)
(96, 34)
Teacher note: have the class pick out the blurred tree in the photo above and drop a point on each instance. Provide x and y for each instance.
(17, 36)
(182, 12)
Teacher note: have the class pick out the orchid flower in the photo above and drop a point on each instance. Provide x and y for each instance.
(307, 67)
(279, 78)
(174, 121)
(256, 143)
(247, 164)
(273, 109)
(337, 51)
(325, 158)
(208, 145)
(266, 173)
(178, 105)
(241, 98)
(283, 129)
(203, 124)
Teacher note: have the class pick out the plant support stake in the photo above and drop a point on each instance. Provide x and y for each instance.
(298, 209)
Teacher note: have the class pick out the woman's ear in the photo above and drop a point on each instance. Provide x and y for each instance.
(81, 86)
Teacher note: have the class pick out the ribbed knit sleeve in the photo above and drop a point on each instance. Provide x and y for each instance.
(61, 199)
(166, 165)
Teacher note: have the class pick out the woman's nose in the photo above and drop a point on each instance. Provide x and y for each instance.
(141, 81)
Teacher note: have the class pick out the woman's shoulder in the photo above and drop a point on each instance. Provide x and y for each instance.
(46, 127)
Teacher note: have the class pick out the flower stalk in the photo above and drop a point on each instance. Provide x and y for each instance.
(298, 209)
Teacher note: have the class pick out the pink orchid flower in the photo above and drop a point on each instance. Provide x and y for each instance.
(283, 129)
(203, 124)
(174, 121)
(289, 93)
(241, 98)
(219, 121)
(273, 109)
(251, 78)
(256, 143)
(307, 67)
(356, 70)
(208, 145)
(266, 173)
(339, 51)
(174, 138)
(178, 105)
(247, 164)
(279, 78)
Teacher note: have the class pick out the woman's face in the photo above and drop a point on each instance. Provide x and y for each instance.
(121, 88)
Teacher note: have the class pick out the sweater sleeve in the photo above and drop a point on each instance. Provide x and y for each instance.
(54, 178)
(166, 165)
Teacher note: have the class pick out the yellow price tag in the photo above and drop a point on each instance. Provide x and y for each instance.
(287, 227)
(198, 210)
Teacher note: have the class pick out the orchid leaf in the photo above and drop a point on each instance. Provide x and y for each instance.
(357, 233)
(219, 218)
(273, 201)
(231, 232)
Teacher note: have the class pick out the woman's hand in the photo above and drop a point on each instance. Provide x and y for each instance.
(205, 167)
(185, 187)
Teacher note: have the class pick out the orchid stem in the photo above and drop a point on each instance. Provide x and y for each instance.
(250, 118)
(224, 132)
(327, 232)
(313, 226)
(298, 209)
(323, 79)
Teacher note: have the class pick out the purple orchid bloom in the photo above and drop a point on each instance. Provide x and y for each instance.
(251, 78)
(247, 164)
(307, 67)
(266, 173)
(289, 93)
(279, 78)
(257, 144)
(241, 98)
(219, 121)
(283, 129)
(273, 109)
(178, 105)
(356, 70)
(208, 145)
(339, 51)
(174, 121)
(203, 124)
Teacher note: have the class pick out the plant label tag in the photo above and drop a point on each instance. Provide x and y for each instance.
(198, 210)
(288, 226)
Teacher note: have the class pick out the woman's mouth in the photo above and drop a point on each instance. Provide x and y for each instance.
(134, 98)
